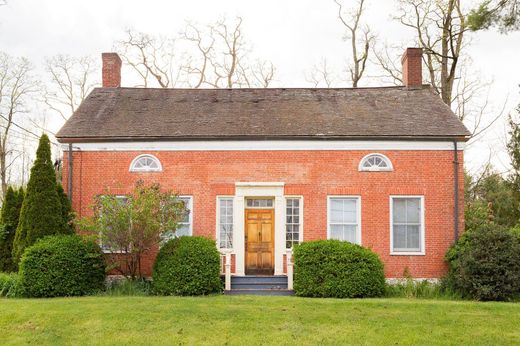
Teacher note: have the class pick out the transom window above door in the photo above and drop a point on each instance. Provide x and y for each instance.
(259, 203)
(145, 163)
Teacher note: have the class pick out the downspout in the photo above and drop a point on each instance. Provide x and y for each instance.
(456, 190)
(69, 183)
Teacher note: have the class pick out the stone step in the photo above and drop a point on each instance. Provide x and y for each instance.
(259, 285)
(256, 292)
(278, 279)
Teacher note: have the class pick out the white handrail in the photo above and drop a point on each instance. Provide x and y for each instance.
(226, 268)
(289, 269)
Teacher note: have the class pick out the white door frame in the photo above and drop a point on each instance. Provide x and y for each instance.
(258, 189)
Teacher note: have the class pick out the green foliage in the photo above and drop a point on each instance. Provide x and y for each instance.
(135, 226)
(410, 288)
(513, 148)
(331, 268)
(187, 266)
(129, 288)
(484, 264)
(10, 285)
(41, 213)
(490, 198)
(63, 265)
(66, 210)
(502, 13)
(9, 221)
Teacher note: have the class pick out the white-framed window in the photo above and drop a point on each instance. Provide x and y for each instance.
(184, 226)
(407, 225)
(105, 247)
(145, 163)
(375, 163)
(293, 221)
(225, 222)
(344, 218)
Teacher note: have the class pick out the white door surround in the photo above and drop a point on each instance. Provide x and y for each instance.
(273, 190)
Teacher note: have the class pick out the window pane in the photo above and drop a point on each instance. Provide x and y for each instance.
(336, 210)
(399, 212)
(182, 229)
(413, 210)
(413, 238)
(349, 210)
(344, 233)
(399, 237)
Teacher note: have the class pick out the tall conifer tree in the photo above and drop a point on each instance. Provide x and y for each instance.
(41, 213)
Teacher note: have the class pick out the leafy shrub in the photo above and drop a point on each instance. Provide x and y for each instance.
(187, 266)
(10, 285)
(65, 265)
(331, 268)
(484, 264)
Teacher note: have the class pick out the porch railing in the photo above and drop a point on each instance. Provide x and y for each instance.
(289, 269)
(225, 268)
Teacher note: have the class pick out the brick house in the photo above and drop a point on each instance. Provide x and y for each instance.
(263, 169)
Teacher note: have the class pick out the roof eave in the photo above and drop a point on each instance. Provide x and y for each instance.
(66, 140)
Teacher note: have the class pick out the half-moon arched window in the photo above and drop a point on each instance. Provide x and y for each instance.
(145, 163)
(375, 163)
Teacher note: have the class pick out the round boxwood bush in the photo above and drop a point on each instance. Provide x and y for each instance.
(332, 268)
(63, 265)
(484, 264)
(187, 266)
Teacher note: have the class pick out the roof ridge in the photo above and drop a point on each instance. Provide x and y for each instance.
(424, 86)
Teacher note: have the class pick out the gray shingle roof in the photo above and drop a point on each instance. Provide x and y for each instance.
(147, 114)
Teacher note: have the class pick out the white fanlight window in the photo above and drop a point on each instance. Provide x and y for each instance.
(145, 163)
(375, 163)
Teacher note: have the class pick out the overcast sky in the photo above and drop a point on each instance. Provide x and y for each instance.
(293, 34)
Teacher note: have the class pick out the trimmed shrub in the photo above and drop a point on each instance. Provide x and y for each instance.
(64, 265)
(9, 221)
(187, 266)
(332, 268)
(41, 213)
(484, 264)
(10, 285)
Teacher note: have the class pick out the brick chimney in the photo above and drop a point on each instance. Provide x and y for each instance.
(412, 67)
(111, 70)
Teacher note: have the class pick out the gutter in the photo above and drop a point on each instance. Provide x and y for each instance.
(69, 178)
(456, 190)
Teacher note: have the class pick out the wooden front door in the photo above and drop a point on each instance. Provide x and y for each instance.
(259, 241)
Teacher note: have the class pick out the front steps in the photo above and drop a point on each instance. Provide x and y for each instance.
(275, 285)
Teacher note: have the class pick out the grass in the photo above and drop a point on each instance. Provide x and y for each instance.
(248, 320)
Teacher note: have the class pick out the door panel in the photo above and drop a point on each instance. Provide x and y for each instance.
(259, 241)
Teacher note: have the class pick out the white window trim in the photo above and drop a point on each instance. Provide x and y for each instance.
(422, 228)
(190, 215)
(140, 170)
(100, 242)
(217, 223)
(300, 229)
(358, 205)
(375, 169)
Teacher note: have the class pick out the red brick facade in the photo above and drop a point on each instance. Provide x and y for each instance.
(311, 174)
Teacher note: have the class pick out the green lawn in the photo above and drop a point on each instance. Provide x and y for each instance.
(247, 320)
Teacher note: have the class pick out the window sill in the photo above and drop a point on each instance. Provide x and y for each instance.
(397, 253)
(108, 252)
